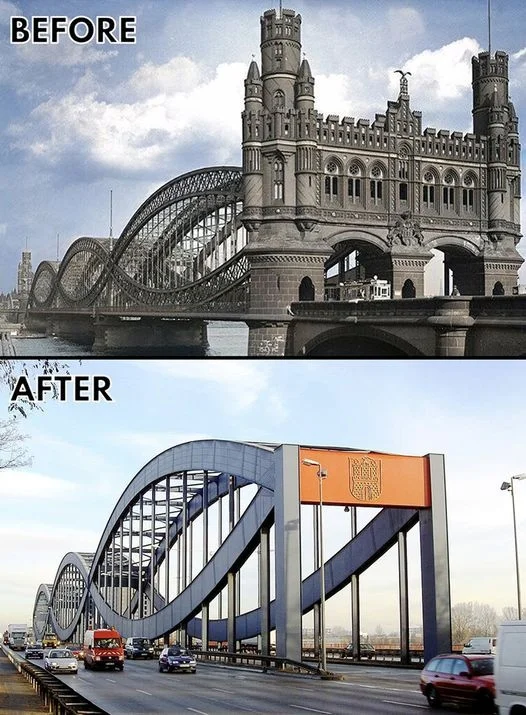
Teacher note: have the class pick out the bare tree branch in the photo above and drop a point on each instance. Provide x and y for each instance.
(11, 370)
(13, 452)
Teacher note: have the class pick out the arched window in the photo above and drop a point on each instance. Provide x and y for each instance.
(331, 181)
(354, 184)
(278, 179)
(428, 190)
(306, 290)
(408, 289)
(468, 194)
(448, 191)
(498, 289)
(376, 185)
(278, 99)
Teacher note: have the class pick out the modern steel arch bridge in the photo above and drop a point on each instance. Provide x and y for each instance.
(182, 247)
(205, 519)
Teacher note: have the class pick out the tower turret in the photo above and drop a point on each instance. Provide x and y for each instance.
(252, 137)
(306, 148)
(280, 57)
(490, 87)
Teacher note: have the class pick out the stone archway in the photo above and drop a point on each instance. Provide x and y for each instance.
(408, 289)
(498, 289)
(306, 290)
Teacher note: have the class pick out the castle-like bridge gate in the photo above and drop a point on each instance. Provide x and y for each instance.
(218, 541)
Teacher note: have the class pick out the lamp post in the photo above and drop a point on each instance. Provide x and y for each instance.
(322, 474)
(508, 487)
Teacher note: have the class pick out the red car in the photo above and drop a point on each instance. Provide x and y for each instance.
(459, 679)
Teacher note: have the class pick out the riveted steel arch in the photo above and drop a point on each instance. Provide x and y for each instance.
(44, 285)
(183, 246)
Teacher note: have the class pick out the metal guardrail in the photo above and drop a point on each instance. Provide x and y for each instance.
(265, 662)
(58, 697)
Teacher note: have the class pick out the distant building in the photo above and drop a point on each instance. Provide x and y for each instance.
(25, 275)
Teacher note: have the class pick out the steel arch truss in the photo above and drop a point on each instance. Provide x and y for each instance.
(182, 247)
(158, 569)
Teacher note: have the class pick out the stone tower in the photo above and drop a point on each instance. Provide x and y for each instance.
(286, 256)
(494, 116)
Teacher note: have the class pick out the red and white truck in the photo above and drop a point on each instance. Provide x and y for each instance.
(103, 648)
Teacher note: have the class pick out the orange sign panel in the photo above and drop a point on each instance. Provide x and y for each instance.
(364, 478)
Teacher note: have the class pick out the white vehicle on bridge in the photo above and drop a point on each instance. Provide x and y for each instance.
(17, 636)
(510, 669)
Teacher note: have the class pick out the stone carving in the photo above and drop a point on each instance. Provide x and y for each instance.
(405, 232)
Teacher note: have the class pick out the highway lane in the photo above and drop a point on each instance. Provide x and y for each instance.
(217, 690)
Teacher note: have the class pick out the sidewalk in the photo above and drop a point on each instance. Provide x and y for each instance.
(17, 697)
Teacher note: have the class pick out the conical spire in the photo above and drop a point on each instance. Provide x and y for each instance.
(304, 72)
(253, 72)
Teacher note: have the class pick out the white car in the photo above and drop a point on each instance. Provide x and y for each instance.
(60, 660)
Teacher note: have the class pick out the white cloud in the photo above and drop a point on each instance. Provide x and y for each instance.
(6, 10)
(18, 484)
(137, 136)
(519, 55)
(65, 54)
(3, 229)
(179, 74)
(403, 21)
(440, 75)
(244, 383)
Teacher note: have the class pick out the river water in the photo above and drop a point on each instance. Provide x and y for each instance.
(224, 339)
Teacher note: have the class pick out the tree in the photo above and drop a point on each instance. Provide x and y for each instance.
(485, 619)
(461, 622)
(11, 370)
(472, 619)
(12, 450)
(510, 613)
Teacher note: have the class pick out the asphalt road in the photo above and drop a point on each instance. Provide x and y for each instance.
(218, 690)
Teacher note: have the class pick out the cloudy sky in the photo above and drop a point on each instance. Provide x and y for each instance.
(85, 454)
(81, 120)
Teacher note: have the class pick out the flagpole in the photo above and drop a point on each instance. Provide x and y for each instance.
(489, 27)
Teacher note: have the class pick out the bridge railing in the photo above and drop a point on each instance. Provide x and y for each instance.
(264, 662)
(57, 697)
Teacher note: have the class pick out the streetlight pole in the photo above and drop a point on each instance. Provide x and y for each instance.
(322, 474)
(508, 487)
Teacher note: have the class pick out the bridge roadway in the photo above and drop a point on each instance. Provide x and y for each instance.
(450, 326)
(225, 690)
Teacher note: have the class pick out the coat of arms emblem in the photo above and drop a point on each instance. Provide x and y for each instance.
(365, 479)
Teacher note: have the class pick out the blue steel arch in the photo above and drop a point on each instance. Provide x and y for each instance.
(194, 476)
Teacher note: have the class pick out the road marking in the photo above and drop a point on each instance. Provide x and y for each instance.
(110, 680)
(221, 690)
(200, 712)
(407, 705)
(387, 690)
(311, 710)
(142, 691)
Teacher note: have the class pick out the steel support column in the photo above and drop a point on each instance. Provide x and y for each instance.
(288, 553)
(264, 588)
(355, 611)
(434, 550)
(403, 593)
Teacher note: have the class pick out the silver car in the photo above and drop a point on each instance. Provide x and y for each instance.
(60, 660)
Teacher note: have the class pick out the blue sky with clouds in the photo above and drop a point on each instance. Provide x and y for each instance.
(85, 454)
(77, 121)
